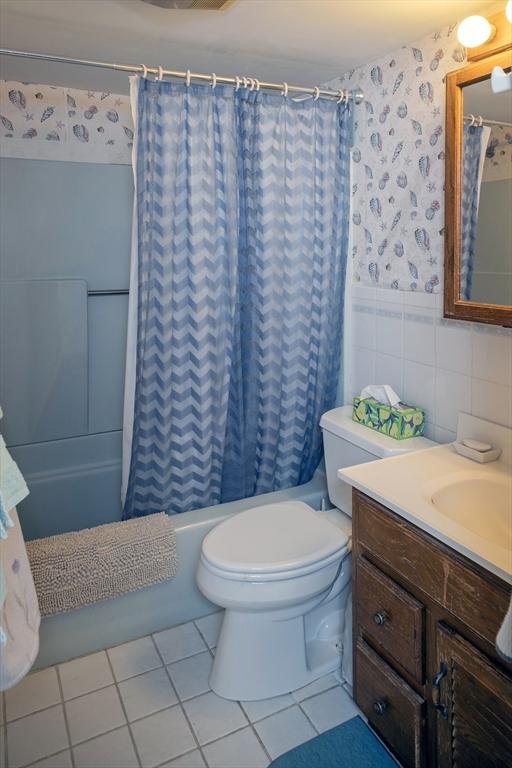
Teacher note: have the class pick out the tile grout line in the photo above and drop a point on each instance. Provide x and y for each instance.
(246, 725)
(70, 748)
(48, 757)
(180, 704)
(183, 754)
(128, 724)
(205, 641)
(124, 709)
(63, 705)
(260, 740)
(198, 746)
(295, 702)
(108, 685)
(53, 754)
(309, 719)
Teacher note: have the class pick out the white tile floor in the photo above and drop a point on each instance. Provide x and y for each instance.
(147, 703)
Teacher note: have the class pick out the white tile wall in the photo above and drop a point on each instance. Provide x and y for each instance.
(445, 366)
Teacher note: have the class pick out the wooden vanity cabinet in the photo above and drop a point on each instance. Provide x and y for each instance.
(426, 672)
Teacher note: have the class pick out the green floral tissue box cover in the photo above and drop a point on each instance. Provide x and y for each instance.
(400, 421)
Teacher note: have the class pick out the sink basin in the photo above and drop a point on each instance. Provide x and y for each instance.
(481, 504)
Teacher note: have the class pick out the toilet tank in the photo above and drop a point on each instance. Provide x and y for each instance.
(347, 443)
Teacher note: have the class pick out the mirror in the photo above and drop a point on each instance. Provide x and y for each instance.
(486, 200)
(478, 194)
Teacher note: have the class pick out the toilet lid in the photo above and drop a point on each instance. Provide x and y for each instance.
(272, 538)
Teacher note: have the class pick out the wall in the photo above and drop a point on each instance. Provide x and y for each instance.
(400, 338)
(398, 334)
(48, 122)
(398, 164)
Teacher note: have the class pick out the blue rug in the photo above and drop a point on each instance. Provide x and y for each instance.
(349, 745)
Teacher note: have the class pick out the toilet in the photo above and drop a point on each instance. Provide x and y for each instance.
(283, 574)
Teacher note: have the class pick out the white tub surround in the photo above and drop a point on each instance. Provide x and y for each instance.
(464, 504)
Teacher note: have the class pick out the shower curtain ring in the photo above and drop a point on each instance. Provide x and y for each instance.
(160, 74)
(342, 96)
(257, 83)
(316, 93)
(144, 70)
(480, 121)
(187, 78)
(284, 92)
(214, 80)
(252, 83)
(245, 82)
(237, 82)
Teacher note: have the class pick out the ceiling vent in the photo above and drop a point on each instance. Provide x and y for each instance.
(197, 5)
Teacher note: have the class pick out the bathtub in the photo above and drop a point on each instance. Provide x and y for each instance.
(162, 605)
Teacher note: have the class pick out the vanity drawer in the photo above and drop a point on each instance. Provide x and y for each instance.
(393, 709)
(390, 617)
(478, 601)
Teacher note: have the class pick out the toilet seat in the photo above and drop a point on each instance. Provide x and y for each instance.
(272, 542)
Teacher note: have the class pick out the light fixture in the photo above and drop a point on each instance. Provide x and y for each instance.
(508, 11)
(500, 81)
(474, 31)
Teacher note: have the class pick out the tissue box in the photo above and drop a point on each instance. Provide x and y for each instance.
(394, 421)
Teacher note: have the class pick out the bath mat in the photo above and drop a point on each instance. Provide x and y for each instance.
(350, 745)
(76, 569)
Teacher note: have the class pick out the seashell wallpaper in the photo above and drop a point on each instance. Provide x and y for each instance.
(498, 157)
(47, 122)
(398, 164)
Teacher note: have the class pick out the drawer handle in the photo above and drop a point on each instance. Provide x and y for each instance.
(380, 618)
(436, 691)
(380, 706)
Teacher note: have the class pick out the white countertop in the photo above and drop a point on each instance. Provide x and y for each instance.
(406, 483)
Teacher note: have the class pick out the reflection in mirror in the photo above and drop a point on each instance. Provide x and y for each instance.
(486, 200)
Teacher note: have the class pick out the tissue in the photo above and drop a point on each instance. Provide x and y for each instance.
(383, 393)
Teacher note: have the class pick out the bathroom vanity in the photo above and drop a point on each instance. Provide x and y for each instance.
(432, 583)
(426, 672)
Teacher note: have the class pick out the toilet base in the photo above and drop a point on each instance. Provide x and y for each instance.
(259, 656)
(248, 667)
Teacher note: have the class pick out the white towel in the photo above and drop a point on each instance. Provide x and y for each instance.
(504, 636)
(19, 615)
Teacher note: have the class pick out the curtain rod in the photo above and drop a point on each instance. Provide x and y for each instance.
(476, 119)
(357, 96)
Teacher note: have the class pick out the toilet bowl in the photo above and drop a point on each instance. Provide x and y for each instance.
(283, 574)
(269, 567)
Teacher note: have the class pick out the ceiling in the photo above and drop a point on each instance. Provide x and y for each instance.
(300, 41)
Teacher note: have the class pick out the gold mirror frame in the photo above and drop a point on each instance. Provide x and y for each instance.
(454, 306)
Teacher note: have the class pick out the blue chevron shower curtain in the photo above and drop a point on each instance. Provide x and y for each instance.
(474, 143)
(238, 271)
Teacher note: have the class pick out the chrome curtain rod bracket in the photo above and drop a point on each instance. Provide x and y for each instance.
(356, 96)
